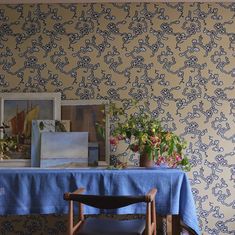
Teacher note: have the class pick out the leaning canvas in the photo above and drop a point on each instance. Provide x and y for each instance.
(64, 149)
(39, 126)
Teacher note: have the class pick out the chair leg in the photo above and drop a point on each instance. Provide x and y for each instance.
(176, 225)
(70, 222)
(153, 217)
(80, 212)
(73, 226)
(148, 219)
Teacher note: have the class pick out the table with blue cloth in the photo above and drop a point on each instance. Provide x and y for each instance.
(40, 191)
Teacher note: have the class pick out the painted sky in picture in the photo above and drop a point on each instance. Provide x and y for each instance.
(64, 145)
(10, 108)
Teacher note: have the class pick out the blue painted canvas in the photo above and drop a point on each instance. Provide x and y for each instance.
(64, 149)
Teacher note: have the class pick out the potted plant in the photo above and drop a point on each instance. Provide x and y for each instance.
(145, 135)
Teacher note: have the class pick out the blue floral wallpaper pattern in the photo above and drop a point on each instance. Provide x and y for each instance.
(176, 59)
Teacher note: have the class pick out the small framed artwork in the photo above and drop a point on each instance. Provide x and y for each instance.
(17, 110)
(84, 116)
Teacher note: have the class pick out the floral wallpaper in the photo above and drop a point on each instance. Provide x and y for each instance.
(176, 59)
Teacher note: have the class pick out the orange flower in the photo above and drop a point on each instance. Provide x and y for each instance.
(168, 136)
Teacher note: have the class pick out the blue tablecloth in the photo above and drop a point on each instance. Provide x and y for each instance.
(40, 191)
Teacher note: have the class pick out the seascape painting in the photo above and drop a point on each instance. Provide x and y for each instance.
(64, 149)
(18, 116)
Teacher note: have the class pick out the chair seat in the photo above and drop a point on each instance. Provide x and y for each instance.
(97, 226)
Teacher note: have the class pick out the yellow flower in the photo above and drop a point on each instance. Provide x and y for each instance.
(168, 136)
(144, 138)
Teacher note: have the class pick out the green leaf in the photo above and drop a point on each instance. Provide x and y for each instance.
(156, 153)
(171, 147)
(185, 161)
(162, 146)
(100, 130)
(41, 126)
(128, 134)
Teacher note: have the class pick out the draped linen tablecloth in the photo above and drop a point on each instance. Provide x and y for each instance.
(40, 191)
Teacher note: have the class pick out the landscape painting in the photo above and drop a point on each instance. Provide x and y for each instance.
(64, 149)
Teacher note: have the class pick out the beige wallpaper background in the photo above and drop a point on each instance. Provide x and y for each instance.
(176, 59)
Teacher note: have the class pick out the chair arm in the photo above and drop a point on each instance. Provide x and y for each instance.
(77, 191)
(150, 196)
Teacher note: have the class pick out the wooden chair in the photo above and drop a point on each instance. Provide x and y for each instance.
(104, 226)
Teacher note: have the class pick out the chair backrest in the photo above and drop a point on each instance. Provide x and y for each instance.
(105, 202)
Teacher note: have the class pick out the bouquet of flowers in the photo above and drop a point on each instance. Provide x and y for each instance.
(6, 145)
(145, 135)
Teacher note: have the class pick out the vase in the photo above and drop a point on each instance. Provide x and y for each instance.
(145, 160)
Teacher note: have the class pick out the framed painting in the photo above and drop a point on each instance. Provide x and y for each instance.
(84, 116)
(17, 110)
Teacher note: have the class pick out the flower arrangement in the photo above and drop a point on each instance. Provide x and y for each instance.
(6, 145)
(144, 134)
